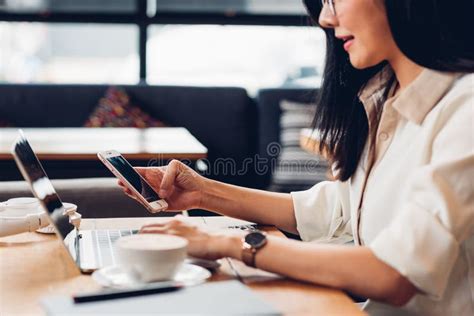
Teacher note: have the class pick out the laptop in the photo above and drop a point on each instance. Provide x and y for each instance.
(90, 249)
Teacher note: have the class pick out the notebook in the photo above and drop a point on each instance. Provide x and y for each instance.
(214, 298)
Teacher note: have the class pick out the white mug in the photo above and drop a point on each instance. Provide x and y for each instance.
(151, 257)
(18, 206)
(25, 214)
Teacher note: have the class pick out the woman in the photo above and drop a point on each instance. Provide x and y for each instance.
(396, 115)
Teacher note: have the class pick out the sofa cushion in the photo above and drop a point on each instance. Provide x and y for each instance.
(115, 109)
(296, 169)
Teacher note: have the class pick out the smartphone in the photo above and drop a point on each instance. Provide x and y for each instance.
(122, 169)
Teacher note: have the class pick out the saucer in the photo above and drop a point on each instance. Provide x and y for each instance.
(46, 230)
(117, 277)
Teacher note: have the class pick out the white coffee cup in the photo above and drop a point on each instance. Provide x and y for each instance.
(18, 207)
(25, 214)
(19, 215)
(151, 257)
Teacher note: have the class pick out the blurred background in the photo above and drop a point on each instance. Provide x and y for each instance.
(248, 43)
(240, 77)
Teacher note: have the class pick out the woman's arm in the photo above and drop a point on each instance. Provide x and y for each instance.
(249, 204)
(184, 189)
(355, 269)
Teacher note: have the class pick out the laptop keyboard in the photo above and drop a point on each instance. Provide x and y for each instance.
(104, 240)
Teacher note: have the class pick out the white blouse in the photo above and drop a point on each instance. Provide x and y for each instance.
(411, 199)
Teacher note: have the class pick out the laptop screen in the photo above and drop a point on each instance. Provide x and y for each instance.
(41, 186)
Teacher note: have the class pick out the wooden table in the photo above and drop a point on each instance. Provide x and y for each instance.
(84, 143)
(34, 265)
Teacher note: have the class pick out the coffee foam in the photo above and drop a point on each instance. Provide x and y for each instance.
(152, 242)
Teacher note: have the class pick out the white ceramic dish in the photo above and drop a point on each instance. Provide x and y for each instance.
(118, 277)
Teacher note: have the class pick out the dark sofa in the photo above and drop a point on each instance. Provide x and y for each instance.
(223, 119)
(233, 126)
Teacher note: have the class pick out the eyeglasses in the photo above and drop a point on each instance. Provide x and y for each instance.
(332, 7)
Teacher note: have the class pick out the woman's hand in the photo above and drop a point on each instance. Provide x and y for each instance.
(179, 185)
(202, 244)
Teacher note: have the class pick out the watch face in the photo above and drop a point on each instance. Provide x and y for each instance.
(256, 239)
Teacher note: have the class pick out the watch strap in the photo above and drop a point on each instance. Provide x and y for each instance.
(248, 255)
(249, 251)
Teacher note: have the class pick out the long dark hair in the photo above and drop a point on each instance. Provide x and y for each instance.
(428, 32)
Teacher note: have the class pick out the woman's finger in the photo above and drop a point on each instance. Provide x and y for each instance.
(152, 175)
(164, 225)
(159, 230)
(151, 231)
(154, 225)
(141, 170)
(169, 178)
(126, 190)
(130, 195)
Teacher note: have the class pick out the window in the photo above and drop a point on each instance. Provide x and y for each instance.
(68, 6)
(68, 53)
(284, 7)
(249, 56)
(249, 43)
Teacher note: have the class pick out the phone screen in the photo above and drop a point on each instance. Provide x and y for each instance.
(127, 171)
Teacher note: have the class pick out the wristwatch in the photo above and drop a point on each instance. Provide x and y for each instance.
(251, 244)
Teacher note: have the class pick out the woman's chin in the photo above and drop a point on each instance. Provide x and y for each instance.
(358, 64)
(361, 63)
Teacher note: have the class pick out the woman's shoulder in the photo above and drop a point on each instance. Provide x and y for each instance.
(451, 122)
(464, 84)
(461, 95)
(455, 112)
